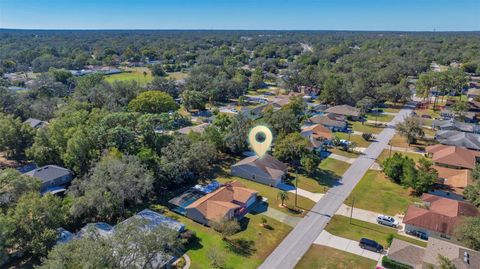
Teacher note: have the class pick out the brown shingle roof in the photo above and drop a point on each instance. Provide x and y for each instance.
(319, 131)
(441, 215)
(344, 110)
(452, 155)
(215, 205)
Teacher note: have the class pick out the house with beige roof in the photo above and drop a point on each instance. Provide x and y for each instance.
(453, 156)
(345, 110)
(229, 201)
(438, 216)
(266, 170)
(334, 122)
(317, 134)
(451, 182)
(427, 258)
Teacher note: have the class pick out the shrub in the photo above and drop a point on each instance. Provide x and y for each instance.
(367, 136)
(391, 264)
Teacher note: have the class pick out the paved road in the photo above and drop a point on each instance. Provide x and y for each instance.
(298, 241)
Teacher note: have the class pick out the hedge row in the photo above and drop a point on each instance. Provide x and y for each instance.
(391, 264)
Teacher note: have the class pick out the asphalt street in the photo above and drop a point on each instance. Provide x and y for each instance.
(298, 241)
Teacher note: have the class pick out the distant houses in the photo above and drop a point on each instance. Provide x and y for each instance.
(266, 170)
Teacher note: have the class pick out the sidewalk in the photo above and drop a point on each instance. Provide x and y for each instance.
(342, 158)
(327, 239)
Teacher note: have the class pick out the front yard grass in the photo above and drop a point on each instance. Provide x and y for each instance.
(400, 141)
(377, 193)
(386, 153)
(325, 257)
(358, 139)
(330, 172)
(379, 117)
(357, 229)
(261, 242)
(271, 194)
(366, 127)
(344, 153)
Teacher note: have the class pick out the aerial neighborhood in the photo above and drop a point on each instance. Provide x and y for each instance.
(138, 149)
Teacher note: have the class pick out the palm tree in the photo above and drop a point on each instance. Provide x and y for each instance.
(283, 196)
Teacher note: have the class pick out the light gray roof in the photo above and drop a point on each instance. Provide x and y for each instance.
(460, 139)
(155, 219)
(35, 123)
(344, 110)
(196, 129)
(49, 172)
(329, 120)
(456, 125)
(453, 252)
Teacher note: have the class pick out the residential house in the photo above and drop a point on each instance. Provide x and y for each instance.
(318, 135)
(459, 139)
(453, 156)
(345, 110)
(279, 101)
(451, 182)
(427, 258)
(229, 201)
(196, 129)
(438, 216)
(54, 178)
(266, 170)
(334, 122)
(473, 93)
(454, 125)
(36, 123)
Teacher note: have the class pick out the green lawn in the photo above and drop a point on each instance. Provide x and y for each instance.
(325, 257)
(355, 138)
(262, 241)
(379, 117)
(344, 153)
(132, 74)
(365, 127)
(341, 226)
(271, 194)
(377, 193)
(386, 153)
(330, 171)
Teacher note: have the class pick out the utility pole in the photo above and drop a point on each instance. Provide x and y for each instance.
(296, 189)
(351, 211)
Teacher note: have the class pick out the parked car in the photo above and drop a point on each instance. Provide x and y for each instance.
(425, 116)
(370, 245)
(418, 234)
(387, 221)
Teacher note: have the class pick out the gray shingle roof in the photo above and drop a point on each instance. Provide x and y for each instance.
(460, 139)
(49, 172)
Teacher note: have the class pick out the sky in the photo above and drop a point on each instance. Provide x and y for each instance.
(391, 15)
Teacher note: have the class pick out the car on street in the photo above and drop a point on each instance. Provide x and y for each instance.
(387, 221)
(371, 245)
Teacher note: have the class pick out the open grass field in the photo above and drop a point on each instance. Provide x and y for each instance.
(379, 117)
(330, 172)
(325, 257)
(400, 141)
(375, 192)
(386, 153)
(355, 138)
(365, 127)
(132, 74)
(341, 226)
(271, 194)
(260, 242)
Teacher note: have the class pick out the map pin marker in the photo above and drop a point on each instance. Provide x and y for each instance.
(260, 139)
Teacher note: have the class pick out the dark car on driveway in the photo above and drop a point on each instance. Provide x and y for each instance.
(370, 245)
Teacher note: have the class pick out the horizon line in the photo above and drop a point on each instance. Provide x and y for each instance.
(238, 29)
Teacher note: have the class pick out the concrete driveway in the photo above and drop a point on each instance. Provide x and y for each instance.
(327, 239)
